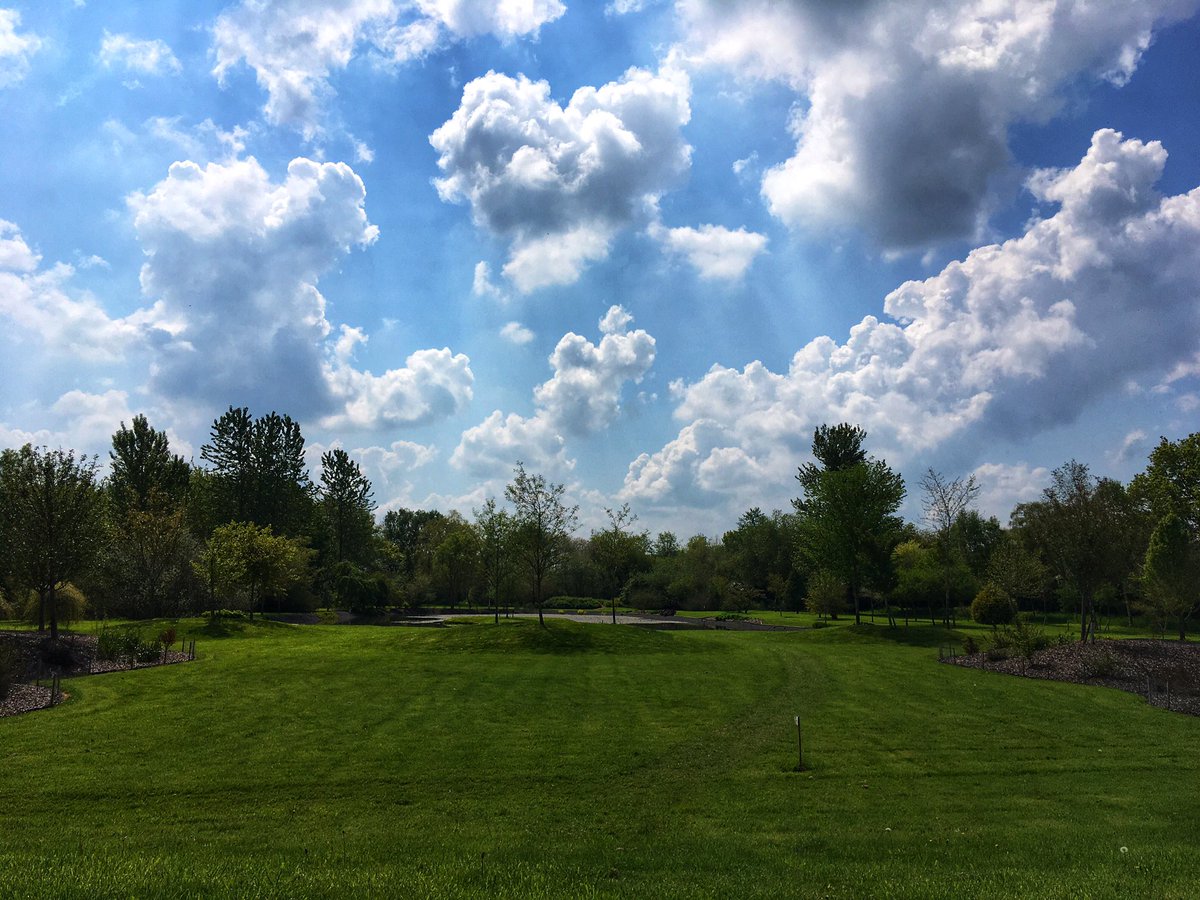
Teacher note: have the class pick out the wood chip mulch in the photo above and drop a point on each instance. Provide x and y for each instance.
(1136, 665)
(27, 696)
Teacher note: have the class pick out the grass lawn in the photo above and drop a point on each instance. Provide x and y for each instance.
(592, 760)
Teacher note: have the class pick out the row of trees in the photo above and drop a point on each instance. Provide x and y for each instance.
(249, 529)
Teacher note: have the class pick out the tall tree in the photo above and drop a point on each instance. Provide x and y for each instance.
(346, 506)
(494, 531)
(231, 452)
(242, 563)
(55, 521)
(944, 503)
(1073, 526)
(143, 471)
(619, 552)
(847, 516)
(544, 527)
(1171, 571)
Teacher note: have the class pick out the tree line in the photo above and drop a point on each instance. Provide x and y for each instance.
(248, 529)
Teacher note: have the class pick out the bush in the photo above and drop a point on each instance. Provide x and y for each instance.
(826, 594)
(167, 637)
(57, 654)
(1024, 639)
(993, 606)
(118, 644)
(970, 645)
(12, 666)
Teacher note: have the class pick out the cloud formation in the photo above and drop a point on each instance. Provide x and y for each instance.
(235, 259)
(906, 106)
(15, 49)
(715, 252)
(296, 46)
(558, 183)
(139, 56)
(1016, 338)
(581, 397)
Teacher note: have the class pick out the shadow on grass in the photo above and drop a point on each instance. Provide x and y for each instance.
(911, 635)
(556, 637)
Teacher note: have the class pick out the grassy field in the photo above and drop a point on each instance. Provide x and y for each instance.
(592, 760)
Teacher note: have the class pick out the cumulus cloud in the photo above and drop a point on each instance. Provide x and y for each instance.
(903, 124)
(42, 304)
(296, 46)
(581, 397)
(235, 259)
(558, 183)
(1003, 486)
(516, 333)
(715, 252)
(144, 57)
(15, 49)
(1016, 338)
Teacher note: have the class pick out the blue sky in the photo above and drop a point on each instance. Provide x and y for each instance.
(644, 247)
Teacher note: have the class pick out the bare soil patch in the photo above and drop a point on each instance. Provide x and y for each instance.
(1154, 669)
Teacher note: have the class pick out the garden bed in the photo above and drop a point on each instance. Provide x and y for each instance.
(1155, 669)
(74, 655)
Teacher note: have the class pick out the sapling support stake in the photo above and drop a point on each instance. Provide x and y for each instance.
(799, 745)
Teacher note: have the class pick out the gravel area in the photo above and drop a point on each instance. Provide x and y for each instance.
(1138, 666)
(78, 659)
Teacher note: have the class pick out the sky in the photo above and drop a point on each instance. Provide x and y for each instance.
(644, 247)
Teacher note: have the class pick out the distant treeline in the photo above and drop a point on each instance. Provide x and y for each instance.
(249, 529)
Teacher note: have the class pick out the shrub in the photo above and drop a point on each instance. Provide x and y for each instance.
(826, 594)
(117, 644)
(1025, 639)
(167, 637)
(11, 667)
(57, 653)
(970, 645)
(993, 606)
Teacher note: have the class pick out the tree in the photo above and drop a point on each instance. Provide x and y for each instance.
(1171, 482)
(54, 515)
(944, 503)
(826, 594)
(847, 516)
(259, 469)
(494, 532)
(993, 606)
(409, 531)
(144, 473)
(619, 552)
(243, 563)
(346, 506)
(1171, 571)
(456, 558)
(1073, 525)
(544, 525)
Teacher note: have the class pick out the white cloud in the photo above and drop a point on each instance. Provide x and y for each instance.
(1016, 338)
(582, 396)
(15, 49)
(516, 333)
(151, 57)
(1002, 487)
(560, 182)
(906, 106)
(296, 46)
(236, 259)
(65, 322)
(1134, 445)
(715, 252)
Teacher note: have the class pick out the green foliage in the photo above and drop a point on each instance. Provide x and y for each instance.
(993, 606)
(847, 519)
(346, 507)
(144, 473)
(12, 667)
(576, 603)
(125, 645)
(1171, 571)
(826, 594)
(543, 526)
(1022, 637)
(244, 563)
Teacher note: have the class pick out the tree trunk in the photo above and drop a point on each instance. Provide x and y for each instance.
(53, 614)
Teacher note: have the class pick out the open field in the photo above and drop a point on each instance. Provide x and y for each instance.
(592, 760)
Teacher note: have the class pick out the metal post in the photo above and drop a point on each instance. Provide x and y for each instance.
(799, 746)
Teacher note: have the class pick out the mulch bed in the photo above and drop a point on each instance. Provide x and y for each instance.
(1137, 666)
(77, 656)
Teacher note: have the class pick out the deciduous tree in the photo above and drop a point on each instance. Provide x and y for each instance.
(544, 527)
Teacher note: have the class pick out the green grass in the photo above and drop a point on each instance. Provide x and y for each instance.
(592, 760)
